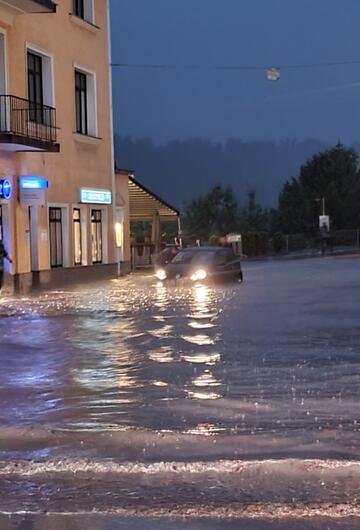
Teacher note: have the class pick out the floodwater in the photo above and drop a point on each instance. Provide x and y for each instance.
(131, 398)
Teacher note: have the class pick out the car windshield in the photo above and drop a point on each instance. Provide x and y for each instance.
(194, 256)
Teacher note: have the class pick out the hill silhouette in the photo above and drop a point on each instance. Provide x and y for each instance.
(182, 169)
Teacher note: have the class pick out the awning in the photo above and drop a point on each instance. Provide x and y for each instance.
(144, 204)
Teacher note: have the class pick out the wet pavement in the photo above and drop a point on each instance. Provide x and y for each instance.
(237, 400)
(111, 523)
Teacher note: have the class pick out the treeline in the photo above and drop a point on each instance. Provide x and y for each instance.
(182, 169)
(331, 176)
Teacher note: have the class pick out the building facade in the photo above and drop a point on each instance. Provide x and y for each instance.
(57, 183)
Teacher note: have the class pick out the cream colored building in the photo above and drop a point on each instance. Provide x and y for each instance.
(58, 205)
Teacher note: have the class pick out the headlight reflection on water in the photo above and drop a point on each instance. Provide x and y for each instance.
(161, 275)
(201, 296)
(204, 385)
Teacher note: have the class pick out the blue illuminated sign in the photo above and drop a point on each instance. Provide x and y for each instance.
(95, 196)
(5, 189)
(33, 183)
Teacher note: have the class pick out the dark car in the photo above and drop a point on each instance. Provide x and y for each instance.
(200, 264)
(166, 255)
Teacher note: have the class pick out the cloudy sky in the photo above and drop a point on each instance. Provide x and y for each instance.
(215, 103)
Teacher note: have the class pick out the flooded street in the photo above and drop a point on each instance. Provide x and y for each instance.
(134, 398)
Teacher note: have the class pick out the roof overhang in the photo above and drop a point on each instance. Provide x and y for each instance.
(145, 204)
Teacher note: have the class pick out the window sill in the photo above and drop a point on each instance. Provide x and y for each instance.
(84, 24)
(85, 139)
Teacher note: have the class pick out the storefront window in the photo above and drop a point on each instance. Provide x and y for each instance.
(77, 236)
(96, 235)
(56, 244)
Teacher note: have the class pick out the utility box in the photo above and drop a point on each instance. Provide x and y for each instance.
(235, 240)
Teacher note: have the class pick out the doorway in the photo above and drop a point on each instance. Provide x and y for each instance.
(56, 239)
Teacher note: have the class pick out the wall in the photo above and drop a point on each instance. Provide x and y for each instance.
(83, 161)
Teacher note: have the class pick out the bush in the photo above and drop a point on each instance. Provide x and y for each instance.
(278, 242)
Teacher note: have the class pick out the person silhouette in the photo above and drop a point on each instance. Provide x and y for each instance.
(3, 256)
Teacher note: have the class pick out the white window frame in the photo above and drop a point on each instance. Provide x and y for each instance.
(48, 73)
(91, 90)
(89, 11)
(5, 110)
(104, 233)
(84, 233)
(5, 58)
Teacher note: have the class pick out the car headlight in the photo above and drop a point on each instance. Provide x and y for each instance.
(160, 274)
(199, 275)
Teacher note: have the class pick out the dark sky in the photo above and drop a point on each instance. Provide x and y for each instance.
(321, 103)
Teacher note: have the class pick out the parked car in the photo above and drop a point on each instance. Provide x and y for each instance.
(201, 264)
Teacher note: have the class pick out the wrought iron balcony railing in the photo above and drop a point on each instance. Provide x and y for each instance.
(27, 123)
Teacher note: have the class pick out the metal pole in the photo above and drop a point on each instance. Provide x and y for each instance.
(323, 205)
(119, 263)
(180, 231)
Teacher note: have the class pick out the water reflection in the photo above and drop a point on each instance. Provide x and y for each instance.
(162, 300)
(206, 380)
(116, 370)
(200, 325)
(199, 339)
(26, 524)
(113, 357)
(164, 331)
(201, 304)
(202, 358)
(164, 354)
(202, 387)
(136, 358)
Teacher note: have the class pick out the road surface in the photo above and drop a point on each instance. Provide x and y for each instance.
(132, 398)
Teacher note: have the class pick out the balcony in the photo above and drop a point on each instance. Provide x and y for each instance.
(26, 126)
(30, 6)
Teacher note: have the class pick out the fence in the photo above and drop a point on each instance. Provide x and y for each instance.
(142, 255)
(263, 244)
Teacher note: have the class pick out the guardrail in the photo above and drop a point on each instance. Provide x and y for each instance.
(21, 117)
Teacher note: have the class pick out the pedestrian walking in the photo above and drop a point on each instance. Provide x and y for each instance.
(3, 256)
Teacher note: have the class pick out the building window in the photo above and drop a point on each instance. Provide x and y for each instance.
(96, 235)
(81, 103)
(35, 87)
(77, 236)
(85, 102)
(84, 9)
(56, 243)
(40, 87)
(2, 65)
(79, 8)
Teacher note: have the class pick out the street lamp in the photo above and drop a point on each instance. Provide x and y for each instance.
(322, 199)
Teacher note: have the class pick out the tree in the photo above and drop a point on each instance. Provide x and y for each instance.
(253, 218)
(332, 174)
(215, 213)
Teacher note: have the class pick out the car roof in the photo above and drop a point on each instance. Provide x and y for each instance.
(207, 248)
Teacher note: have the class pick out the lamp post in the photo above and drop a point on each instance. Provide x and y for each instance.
(322, 199)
